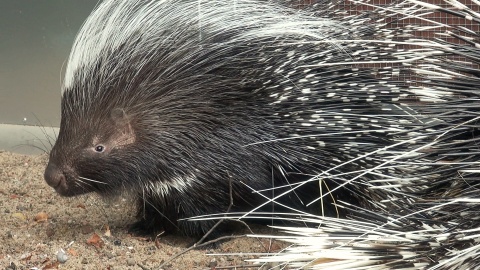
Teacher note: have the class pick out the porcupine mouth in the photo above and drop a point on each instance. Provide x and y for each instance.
(59, 180)
(71, 187)
(62, 189)
(66, 190)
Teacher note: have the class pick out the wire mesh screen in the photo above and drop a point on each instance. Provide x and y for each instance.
(454, 21)
(429, 24)
(450, 20)
(355, 7)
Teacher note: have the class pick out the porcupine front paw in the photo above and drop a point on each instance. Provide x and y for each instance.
(143, 228)
(151, 221)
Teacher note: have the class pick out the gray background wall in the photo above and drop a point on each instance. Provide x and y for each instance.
(35, 39)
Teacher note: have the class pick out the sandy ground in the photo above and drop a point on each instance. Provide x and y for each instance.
(36, 223)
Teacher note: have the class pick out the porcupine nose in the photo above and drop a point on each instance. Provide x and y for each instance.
(53, 176)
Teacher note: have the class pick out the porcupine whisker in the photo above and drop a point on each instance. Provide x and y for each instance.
(81, 183)
(42, 148)
(48, 138)
(33, 146)
(91, 180)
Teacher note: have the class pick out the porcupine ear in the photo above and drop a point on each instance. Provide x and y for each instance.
(125, 134)
(118, 115)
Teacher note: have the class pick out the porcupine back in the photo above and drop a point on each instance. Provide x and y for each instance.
(181, 102)
(427, 216)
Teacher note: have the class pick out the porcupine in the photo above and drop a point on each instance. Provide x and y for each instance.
(427, 216)
(183, 103)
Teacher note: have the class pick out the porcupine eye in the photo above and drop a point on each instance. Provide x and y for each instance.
(99, 148)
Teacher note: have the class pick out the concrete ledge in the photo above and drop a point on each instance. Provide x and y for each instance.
(30, 140)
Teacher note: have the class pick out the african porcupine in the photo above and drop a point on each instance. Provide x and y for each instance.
(181, 101)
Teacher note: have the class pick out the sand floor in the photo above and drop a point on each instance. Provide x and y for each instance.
(36, 223)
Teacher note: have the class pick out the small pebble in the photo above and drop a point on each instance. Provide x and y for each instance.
(87, 229)
(62, 256)
(12, 266)
(21, 208)
(41, 217)
(19, 216)
(25, 255)
(213, 263)
(109, 254)
(131, 262)
(50, 232)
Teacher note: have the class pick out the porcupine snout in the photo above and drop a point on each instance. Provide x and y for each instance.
(54, 176)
